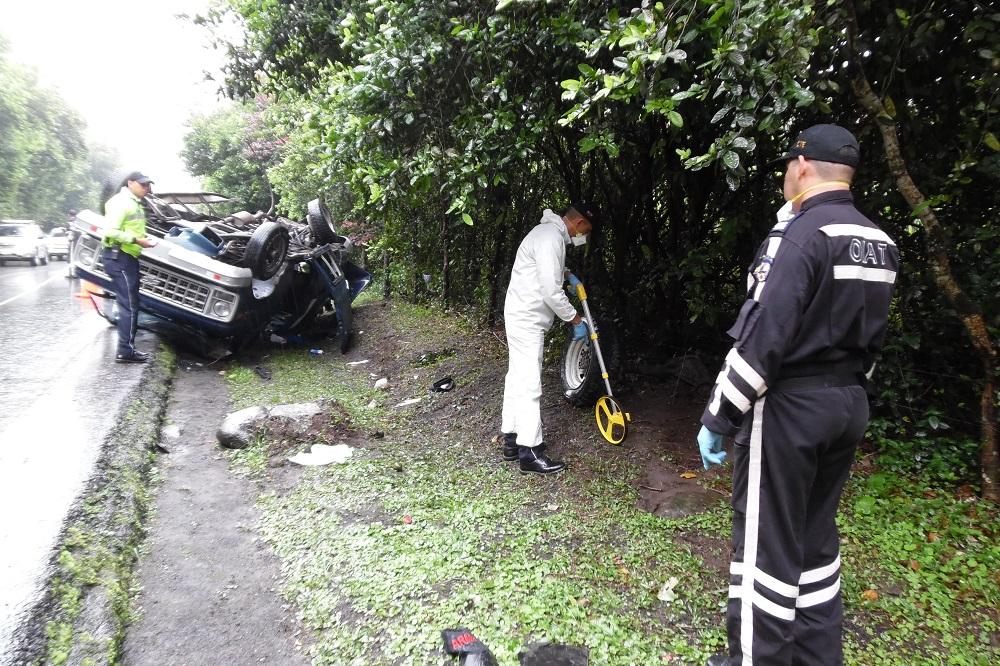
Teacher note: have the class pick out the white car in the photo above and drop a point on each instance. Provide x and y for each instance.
(58, 243)
(22, 240)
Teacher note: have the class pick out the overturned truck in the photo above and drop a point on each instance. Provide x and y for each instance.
(223, 281)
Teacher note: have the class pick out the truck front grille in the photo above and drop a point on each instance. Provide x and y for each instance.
(173, 288)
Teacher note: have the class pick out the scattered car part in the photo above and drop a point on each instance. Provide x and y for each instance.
(444, 384)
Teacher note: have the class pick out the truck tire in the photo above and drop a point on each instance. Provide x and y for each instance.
(266, 250)
(321, 224)
(579, 370)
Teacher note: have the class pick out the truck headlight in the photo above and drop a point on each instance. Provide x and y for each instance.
(221, 309)
(221, 305)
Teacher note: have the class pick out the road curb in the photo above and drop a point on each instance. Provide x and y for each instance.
(86, 606)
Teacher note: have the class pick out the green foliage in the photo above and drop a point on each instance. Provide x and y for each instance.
(232, 149)
(443, 130)
(46, 168)
(932, 560)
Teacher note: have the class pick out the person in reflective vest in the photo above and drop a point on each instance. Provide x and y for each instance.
(124, 239)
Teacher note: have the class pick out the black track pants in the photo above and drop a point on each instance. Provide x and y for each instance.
(790, 463)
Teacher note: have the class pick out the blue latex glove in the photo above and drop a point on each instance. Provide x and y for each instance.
(573, 280)
(580, 331)
(710, 445)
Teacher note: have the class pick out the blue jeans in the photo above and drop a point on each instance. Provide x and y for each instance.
(124, 274)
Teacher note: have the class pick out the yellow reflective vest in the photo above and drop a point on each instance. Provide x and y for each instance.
(126, 222)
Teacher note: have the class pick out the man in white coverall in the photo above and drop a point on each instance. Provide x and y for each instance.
(535, 297)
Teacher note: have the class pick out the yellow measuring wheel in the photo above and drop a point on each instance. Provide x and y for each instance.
(612, 420)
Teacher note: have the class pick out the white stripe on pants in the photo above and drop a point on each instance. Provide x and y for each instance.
(522, 391)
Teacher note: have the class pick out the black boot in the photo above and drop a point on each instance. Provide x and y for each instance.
(533, 461)
(717, 660)
(509, 446)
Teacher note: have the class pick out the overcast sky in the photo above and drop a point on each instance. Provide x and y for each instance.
(131, 69)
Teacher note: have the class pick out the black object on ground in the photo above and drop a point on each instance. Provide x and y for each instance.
(552, 654)
(470, 650)
(262, 372)
(443, 384)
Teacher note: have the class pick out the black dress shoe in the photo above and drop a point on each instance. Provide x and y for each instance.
(717, 660)
(533, 461)
(509, 446)
(134, 357)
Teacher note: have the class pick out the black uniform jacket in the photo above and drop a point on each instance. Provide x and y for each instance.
(817, 303)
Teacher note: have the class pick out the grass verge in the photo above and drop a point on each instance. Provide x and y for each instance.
(425, 529)
(89, 601)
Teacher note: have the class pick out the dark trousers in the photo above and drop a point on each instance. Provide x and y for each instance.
(790, 463)
(124, 273)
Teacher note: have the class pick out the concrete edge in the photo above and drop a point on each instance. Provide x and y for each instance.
(90, 578)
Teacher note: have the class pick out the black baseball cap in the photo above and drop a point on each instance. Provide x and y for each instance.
(588, 210)
(826, 143)
(138, 177)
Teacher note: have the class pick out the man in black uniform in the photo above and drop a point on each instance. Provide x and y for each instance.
(792, 391)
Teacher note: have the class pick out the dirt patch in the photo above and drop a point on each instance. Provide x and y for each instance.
(209, 586)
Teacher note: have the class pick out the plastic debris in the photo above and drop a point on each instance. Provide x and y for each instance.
(316, 352)
(443, 384)
(262, 372)
(371, 405)
(666, 593)
(407, 403)
(277, 339)
(354, 363)
(382, 384)
(470, 650)
(322, 454)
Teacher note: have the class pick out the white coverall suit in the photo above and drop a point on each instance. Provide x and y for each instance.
(534, 297)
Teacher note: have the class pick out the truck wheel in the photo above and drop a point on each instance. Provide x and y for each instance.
(580, 372)
(321, 224)
(266, 250)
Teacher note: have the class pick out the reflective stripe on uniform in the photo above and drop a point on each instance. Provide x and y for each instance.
(746, 372)
(858, 231)
(752, 526)
(851, 272)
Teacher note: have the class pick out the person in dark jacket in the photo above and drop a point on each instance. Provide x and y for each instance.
(792, 391)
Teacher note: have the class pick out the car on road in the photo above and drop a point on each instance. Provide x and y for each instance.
(22, 240)
(57, 243)
(222, 281)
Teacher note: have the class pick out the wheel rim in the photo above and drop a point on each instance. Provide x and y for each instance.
(274, 253)
(576, 364)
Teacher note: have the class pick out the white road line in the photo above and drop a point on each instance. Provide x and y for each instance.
(28, 291)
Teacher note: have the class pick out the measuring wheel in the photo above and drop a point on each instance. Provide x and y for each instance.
(612, 420)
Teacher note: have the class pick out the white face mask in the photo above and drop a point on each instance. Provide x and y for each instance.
(578, 240)
(785, 213)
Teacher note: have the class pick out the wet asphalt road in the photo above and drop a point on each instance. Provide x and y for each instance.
(59, 395)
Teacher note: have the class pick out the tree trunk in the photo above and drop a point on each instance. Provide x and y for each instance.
(387, 285)
(445, 272)
(937, 245)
